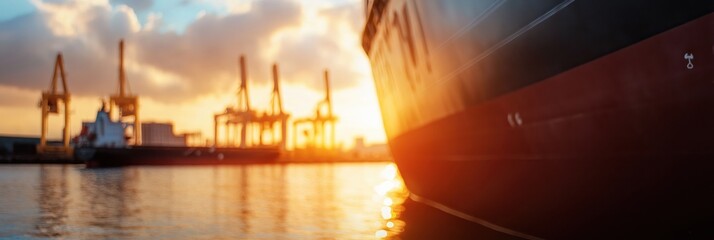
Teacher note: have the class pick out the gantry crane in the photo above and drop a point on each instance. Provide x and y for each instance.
(324, 117)
(50, 105)
(239, 117)
(274, 115)
(127, 104)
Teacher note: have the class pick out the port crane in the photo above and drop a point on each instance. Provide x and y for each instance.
(248, 121)
(274, 115)
(324, 118)
(239, 117)
(127, 104)
(50, 105)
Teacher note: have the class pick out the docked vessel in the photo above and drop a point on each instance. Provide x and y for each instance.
(551, 119)
(104, 143)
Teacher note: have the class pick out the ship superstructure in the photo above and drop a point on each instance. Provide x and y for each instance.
(103, 132)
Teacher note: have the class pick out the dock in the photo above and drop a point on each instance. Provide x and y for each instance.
(23, 150)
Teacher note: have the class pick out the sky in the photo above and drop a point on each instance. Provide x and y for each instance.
(181, 59)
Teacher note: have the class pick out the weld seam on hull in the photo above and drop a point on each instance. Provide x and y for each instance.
(470, 218)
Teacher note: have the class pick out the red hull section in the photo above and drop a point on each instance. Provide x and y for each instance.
(620, 144)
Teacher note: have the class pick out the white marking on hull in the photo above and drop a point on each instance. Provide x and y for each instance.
(689, 57)
(515, 119)
(510, 120)
(519, 121)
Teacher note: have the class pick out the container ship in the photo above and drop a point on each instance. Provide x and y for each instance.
(551, 119)
(103, 143)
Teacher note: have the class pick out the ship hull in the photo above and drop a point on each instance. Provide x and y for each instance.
(634, 197)
(159, 155)
(617, 147)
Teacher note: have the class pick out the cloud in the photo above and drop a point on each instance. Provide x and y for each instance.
(171, 66)
(137, 5)
(336, 48)
(205, 56)
(80, 30)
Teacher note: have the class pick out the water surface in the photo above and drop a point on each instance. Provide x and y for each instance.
(296, 201)
(299, 201)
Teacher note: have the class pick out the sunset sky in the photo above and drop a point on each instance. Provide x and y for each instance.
(181, 59)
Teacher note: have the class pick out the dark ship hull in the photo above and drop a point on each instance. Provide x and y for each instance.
(552, 119)
(162, 155)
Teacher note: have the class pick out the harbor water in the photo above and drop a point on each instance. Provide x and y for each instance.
(289, 201)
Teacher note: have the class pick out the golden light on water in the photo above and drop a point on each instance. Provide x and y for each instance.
(387, 213)
(390, 172)
(324, 201)
(388, 201)
(391, 193)
(381, 234)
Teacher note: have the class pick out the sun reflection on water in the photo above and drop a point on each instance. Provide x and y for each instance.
(381, 234)
(391, 193)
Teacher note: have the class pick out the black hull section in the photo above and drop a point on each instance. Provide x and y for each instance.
(145, 155)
